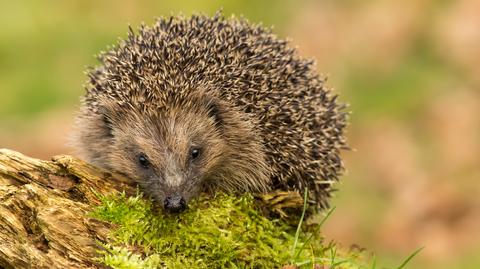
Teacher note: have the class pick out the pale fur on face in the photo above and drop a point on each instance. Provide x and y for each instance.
(231, 156)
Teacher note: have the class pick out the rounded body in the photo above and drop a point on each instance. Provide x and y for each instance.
(206, 103)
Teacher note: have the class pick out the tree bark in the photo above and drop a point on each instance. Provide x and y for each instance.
(44, 207)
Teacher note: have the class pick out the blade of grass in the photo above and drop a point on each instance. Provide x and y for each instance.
(299, 227)
(330, 211)
(374, 262)
(333, 255)
(317, 229)
(409, 258)
(340, 263)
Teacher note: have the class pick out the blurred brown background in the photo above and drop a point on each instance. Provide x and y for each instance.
(410, 70)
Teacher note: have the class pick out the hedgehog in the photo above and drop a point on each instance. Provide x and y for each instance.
(203, 104)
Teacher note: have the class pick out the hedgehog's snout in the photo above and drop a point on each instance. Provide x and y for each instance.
(175, 204)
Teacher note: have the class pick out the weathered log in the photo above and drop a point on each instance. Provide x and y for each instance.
(44, 207)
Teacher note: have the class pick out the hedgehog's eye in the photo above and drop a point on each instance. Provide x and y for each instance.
(143, 160)
(194, 153)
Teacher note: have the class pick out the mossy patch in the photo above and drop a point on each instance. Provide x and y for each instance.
(215, 232)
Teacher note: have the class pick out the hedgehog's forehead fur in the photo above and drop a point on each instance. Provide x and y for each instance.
(181, 62)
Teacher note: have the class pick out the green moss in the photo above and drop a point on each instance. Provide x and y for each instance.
(215, 232)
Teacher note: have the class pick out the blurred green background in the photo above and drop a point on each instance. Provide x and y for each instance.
(410, 70)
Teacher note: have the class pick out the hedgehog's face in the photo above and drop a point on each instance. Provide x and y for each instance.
(171, 153)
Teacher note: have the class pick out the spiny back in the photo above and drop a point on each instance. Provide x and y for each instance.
(298, 119)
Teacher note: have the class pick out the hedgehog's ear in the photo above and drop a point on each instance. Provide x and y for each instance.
(107, 124)
(213, 108)
(104, 122)
(109, 114)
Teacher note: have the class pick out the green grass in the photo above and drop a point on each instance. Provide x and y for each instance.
(215, 232)
(409, 258)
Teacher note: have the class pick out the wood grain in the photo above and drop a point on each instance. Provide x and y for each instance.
(44, 209)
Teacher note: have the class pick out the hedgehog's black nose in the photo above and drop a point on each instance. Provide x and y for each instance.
(175, 204)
